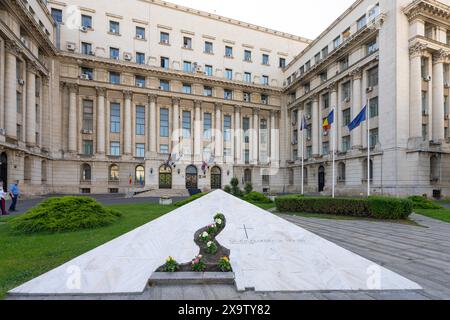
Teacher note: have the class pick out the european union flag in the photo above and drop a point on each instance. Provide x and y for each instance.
(360, 118)
(304, 124)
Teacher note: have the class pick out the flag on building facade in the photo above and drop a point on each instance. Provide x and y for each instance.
(304, 124)
(328, 122)
(360, 118)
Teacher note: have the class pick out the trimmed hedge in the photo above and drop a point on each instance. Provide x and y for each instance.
(256, 197)
(374, 207)
(65, 214)
(190, 199)
(421, 202)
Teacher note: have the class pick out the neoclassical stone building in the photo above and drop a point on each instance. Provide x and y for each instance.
(145, 95)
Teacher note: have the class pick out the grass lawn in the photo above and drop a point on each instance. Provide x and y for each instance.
(24, 257)
(265, 206)
(442, 214)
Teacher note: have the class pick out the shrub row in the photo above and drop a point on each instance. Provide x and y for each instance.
(190, 199)
(374, 207)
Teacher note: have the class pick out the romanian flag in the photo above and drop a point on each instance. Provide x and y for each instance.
(131, 179)
(328, 121)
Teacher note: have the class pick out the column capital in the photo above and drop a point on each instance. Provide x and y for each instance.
(440, 56)
(13, 48)
(315, 98)
(218, 106)
(356, 74)
(45, 80)
(73, 87)
(237, 108)
(127, 94)
(176, 101)
(332, 87)
(101, 92)
(256, 111)
(417, 50)
(197, 103)
(32, 67)
(152, 98)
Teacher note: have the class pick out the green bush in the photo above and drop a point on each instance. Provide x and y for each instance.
(227, 189)
(421, 202)
(190, 199)
(235, 190)
(374, 207)
(256, 197)
(65, 214)
(248, 188)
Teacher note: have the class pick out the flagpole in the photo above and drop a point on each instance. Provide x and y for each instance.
(303, 154)
(334, 158)
(368, 147)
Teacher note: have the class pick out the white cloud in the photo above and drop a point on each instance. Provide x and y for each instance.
(304, 18)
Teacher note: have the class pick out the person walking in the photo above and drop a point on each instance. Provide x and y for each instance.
(3, 195)
(15, 192)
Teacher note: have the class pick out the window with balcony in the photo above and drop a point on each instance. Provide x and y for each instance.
(317, 58)
(325, 52)
(323, 76)
(337, 42)
(343, 64)
(346, 34)
(87, 73)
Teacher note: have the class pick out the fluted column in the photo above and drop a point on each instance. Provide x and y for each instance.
(315, 126)
(176, 126)
(127, 123)
(73, 123)
(101, 145)
(237, 135)
(356, 108)
(12, 52)
(255, 136)
(46, 110)
(274, 138)
(438, 96)
(415, 92)
(152, 123)
(218, 136)
(197, 131)
(31, 105)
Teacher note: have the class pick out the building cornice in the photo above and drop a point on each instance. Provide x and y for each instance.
(419, 8)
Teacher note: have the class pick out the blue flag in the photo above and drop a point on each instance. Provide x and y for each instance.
(360, 118)
(304, 124)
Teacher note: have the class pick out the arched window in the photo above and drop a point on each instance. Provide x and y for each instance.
(27, 169)
(365, 170)
(247, 176)
(114, 173)
(434, 169)
(341, 172)
(305, 175)
(44, 171)
(86, 172)
(140, 175)
(216, 178)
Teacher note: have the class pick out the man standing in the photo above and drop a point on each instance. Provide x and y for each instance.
(15, 192)
(3, 196)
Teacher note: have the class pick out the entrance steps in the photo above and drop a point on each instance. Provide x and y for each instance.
(158, 193)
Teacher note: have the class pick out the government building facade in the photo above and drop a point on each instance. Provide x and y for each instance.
(150, 97)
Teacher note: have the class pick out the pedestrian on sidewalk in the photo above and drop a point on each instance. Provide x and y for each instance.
(15, 193)
(3, 195)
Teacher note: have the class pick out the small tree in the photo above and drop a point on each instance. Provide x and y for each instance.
(235, 190)
(227, 189)
(248, 188)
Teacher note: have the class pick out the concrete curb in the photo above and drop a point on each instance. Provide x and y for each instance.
(180, 278)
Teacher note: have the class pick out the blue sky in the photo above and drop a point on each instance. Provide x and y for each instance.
(305, 18)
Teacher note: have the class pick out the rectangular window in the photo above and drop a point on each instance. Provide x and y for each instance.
(227, 128)
(115, 149)
(424, 131)
(164, 62)
(115, 118)
(208, 70)
(373, 107)
(140, 81)
(187, 66)
(88, 147)
(247, 156)
(140, 33)
(228, 52)
(114, 27)
(362, 22)
(265, 59)
(246, 129)
(424, 103)
(372, 77)
(140, 120)
(207, 91)
(114, 78)
(343, 64)
(114, 53)
(247, 97)
(164, 85)
(248, 77)
(228, 94)
(346, 34)
(88, 115)
(164, 148)
(345, 143)
(282, 63)
(209, 48)
(323, 77)
(207, 126)
(186, 124)
(373, 138)
(187, 89)
(372, 47)
(247, 55)
(325, 148)
(164, 123)
(86, 48)
(164, 38)
(19, 102)
(57, 15)
(308, 152)
(86, 21)
(346, 91)
(265, 80)
(326, 101)
(140, 58)
(346, 117)
(187, 43)
(87, 72)
(325, 52)
(317, 58)
(227, 152)
(229, 74)
(140, 150)
(337, 42)
(264, 99)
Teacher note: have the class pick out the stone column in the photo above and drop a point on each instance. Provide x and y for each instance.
(255, 136)
(299, 133)
(316, 122)
(73, 117)
(218, 135)
(334, 104)
(45, 109)
(198, 131)
(31, 105)
(176, 126)
(415, 91)
(153, 125)
(274, 138)
(127, 123)
(356, 107)
(237, 135)
(101, 121)
(438, 96)
(12, 51)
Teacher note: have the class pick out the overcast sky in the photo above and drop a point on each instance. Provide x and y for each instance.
(307, 18)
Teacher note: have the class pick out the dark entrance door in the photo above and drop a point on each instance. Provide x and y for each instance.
(4, 170)
(191, 178)
(216, 178)
(321, 179)
(165, 177)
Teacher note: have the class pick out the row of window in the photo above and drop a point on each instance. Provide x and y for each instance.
(113, 173)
